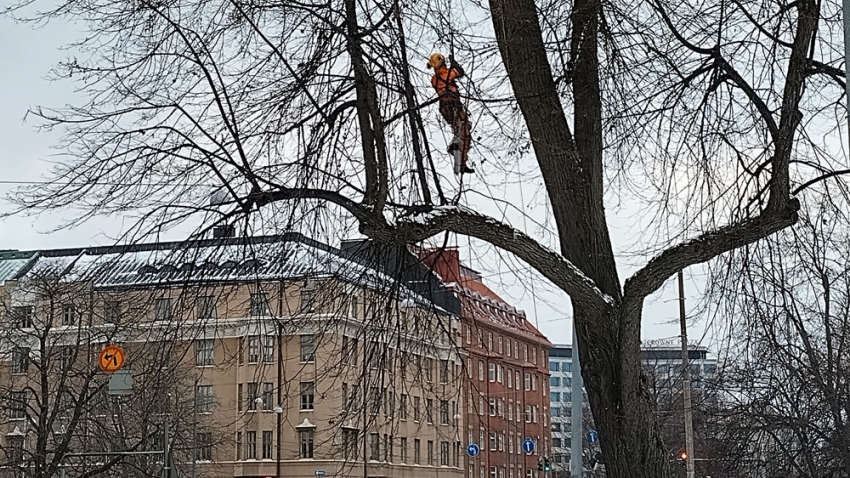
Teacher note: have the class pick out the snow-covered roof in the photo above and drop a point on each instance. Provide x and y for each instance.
(265, 258)
(10, 267)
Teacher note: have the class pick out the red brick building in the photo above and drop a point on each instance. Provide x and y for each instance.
(506, 391)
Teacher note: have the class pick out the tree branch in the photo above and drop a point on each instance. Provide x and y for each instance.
(705, 247)
(423, 222)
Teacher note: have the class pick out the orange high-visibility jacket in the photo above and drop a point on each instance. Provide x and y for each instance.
(444, 81)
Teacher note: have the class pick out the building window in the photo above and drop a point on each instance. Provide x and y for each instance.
(402, 407)
(527, 381)
(416, 409)
(68, 314)
(493, 443)
(492, 406)
(307, 444)
(267, 444)
(307, 391)
(468, 335)
(554, 381)
(534, 381)
(510, 410)
(308, 348)
(444, 371)
(556, 442)
(16, 449)
(491, 372)
(253, 349)
(402, 452)
(308, 300)
(567, 367)
(374, 447)
(501, 348)
(253, 395)
(480, 338)
(556, 411)
(17, 405)
(528, 414)
(489, 341)
(510, 378)
(516, 349)
(22, 316)
(429, 369)
(268, 349)
(429, 410)
(480, 370)
(349, 443)
(111, 312)
(251, 445)
(388, 448)
(430, 452)
(444, 453)
(349, 350)
(20, 360)
(206, 307)
(534, 356)
(553, 366)
(238, 446)
(417, 451)
(444, 412)
(204, 352)
(163, 310)
(554, 397)
(260, 305)
(203, 398)
(203, 452)
(268, 396)
(493, 472)
(529, 473)
(500, 373)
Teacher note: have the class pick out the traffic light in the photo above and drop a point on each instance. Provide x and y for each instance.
(546, 465)
(539, 465)
(683, 458)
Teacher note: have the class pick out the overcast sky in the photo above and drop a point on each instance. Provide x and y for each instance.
(26, 56)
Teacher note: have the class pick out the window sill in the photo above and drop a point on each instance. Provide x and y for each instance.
(305, 410)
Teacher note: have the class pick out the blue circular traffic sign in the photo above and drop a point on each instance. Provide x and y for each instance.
(528, 445)
(473, 449)
(592, 436)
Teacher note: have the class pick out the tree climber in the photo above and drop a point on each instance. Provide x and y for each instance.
(452, 109)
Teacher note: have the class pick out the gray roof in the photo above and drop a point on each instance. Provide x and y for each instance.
(265, 258)
(9, 268)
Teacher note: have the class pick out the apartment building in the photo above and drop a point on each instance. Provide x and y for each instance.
(250, 357)
(506, 389)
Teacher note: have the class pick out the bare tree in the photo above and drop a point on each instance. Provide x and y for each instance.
(57, 400)
(307, 113)
(786, 390)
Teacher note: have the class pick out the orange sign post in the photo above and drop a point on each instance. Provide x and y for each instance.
(111, 358)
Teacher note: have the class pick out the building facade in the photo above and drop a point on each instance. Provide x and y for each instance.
(249, 357)
(506, 367)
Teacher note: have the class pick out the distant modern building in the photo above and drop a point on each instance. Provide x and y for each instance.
(663, 362)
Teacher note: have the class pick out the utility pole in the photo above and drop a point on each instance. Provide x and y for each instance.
(686, 378)
(576, 437)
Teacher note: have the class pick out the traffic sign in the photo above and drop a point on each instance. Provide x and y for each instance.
(473, 449)
(320, 472)
(592, 436)
(528, 445)
(111, 358)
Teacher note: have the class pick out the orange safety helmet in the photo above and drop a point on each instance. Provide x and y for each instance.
(436, 60)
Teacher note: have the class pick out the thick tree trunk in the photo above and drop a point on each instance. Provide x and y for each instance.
(619, 396)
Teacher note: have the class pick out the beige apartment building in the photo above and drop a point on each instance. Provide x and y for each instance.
(255, 357)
